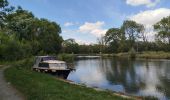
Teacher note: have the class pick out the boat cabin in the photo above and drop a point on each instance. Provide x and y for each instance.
(49, 64)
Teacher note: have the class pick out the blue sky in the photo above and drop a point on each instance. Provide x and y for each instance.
(85, 20)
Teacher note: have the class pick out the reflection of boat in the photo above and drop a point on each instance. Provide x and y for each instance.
(49, 64)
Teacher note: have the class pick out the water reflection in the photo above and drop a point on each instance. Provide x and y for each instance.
(138, 77)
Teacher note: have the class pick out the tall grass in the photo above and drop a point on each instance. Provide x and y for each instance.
(155, 55)
(66, 57)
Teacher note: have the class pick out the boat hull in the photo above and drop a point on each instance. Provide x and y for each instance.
(61, 73)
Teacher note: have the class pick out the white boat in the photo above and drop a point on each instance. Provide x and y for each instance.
(50, 64)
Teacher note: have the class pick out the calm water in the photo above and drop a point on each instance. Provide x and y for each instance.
(137, 77)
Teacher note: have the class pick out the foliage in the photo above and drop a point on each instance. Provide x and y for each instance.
(163, 28)
(24, 35)
(132, 30)
(123, 39)
(70, 46)
(101, 44)
(132, 53)
(154, 55)
(113, 38)
(66, 57)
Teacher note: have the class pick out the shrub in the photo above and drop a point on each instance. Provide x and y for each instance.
(132, 53)
(66, 57)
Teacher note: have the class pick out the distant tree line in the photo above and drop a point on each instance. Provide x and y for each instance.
(133, 35)
(130, 35)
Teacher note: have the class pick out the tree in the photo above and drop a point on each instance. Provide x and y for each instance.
(132, 30)
(48, 35)
(163, 28)
(3, 3)
(113, 37)
(43, 35)
(20, 23)
(101, 42)
(5, 9)
(70, 46)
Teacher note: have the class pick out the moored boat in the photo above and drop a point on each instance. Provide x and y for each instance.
(49, 64)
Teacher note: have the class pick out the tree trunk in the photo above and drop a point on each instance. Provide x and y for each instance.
(169, 40)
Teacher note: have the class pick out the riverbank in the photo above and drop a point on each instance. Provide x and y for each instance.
(45, 87)
(39, 86)
(145, 54)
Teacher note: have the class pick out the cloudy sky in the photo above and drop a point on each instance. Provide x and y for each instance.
(85, 20)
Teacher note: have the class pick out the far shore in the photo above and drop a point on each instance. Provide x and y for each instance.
(146, 54)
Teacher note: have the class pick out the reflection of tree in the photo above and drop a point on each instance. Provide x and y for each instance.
(162, 70)
(136, 76)
(165, 79)
(116, 71)
(141, 75)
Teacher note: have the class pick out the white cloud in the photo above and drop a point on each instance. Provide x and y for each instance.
(148, 3)
(93, 28)
(68, 24)
(81, 42)
(72, 34)
(149, 18)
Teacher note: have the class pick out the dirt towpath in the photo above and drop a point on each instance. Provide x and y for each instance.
(7, 92)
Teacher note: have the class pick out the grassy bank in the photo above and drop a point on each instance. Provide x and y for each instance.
(38, 86)
(1, 66)
(146, 54)
(155, 55)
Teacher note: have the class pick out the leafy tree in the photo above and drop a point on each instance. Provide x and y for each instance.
(70, 46)
(42, 34)
(20, 23)
(101, 44)
(113, 35)
(163, 28)
(113, 38)
(10, 49)
(49, 37)
(132, 30)
(3, 3)
(27, 35)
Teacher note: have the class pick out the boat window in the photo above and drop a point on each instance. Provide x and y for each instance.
(58, 65)
(46, 65)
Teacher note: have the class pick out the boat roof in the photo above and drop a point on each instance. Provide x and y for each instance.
(54, 61)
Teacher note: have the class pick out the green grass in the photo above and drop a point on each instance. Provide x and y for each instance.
(38, 86)
(148, 55)
(1, 66)
(154, 55)
(66, 57)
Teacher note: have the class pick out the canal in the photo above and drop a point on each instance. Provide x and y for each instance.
(142, 77)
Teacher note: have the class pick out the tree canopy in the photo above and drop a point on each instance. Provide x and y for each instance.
(23, 34)
(132, 31)
(163, 28)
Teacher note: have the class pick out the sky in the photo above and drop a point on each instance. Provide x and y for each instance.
(87, 20)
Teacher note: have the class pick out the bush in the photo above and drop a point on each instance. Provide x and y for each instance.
(132, 53)
(26, 63)
(66, 57)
